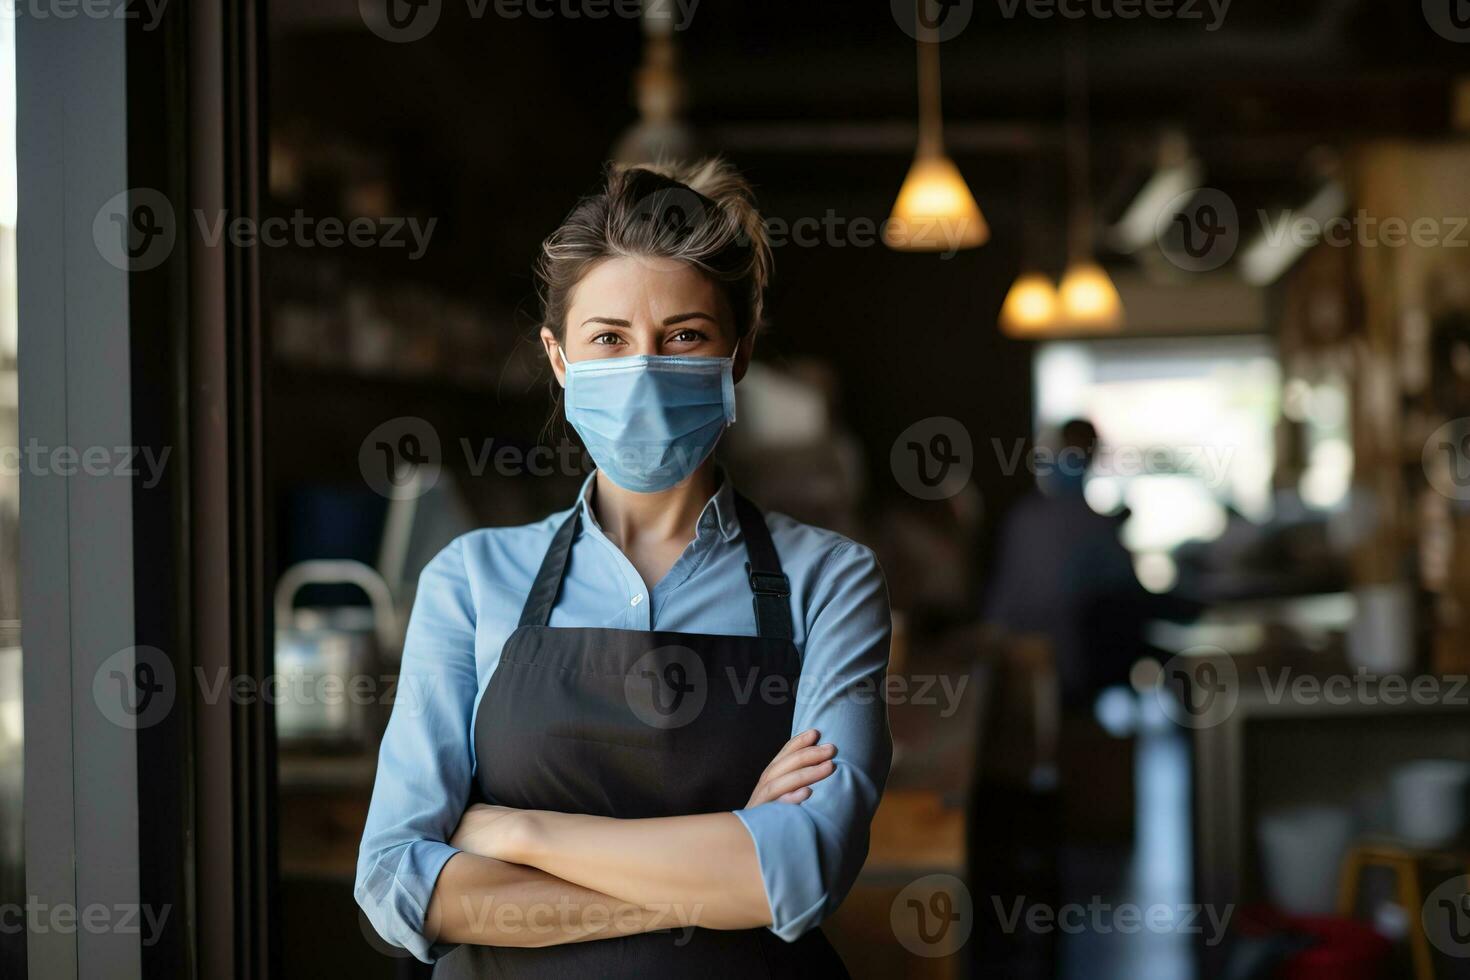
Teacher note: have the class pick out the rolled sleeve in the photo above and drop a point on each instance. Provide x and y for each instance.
(811, 852)
(424, 763)
(394, 891)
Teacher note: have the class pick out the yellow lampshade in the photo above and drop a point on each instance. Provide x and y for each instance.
(1030, 307)
(1089, 300)
(935, 211)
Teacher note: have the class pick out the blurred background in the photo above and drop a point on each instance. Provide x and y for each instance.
(1133, 336)
(1262, 391)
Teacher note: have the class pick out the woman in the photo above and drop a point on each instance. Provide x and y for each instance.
(645, 736)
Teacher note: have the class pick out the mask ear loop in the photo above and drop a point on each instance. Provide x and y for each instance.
(727, 390)
(566, 368)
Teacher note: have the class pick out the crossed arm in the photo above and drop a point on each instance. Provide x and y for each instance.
(519, 878)
(541, 878)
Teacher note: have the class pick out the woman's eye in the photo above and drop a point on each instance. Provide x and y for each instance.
(607, 338)
(688, 337)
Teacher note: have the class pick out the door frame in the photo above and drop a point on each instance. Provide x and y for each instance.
(135, 579)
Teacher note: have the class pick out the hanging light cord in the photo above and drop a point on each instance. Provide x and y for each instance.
(1080, 240)
(931, 120)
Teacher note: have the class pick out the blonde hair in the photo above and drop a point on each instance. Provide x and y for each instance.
(700, 213)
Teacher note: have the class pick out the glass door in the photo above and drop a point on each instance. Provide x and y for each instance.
(12, 715)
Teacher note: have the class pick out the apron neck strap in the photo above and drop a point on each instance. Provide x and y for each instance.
(769, 587)
(537, 610)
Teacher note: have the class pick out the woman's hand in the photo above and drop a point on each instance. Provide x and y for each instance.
(489, 831)
(800, 763)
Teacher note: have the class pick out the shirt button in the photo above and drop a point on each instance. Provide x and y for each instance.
(637, 599)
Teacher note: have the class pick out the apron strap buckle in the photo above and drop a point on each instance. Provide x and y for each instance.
(769, 591)
(768, 583)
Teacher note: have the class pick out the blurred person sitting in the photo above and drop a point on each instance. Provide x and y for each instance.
(1061, 571)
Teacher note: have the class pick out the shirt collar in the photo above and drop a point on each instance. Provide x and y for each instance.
(723, 503)
(720, 508)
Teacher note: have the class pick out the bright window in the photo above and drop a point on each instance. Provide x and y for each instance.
(1187, 428)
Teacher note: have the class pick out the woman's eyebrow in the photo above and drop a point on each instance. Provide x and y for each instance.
(692, 315)
(670, 321)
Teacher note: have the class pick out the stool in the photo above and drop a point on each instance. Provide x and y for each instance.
(1403, 862)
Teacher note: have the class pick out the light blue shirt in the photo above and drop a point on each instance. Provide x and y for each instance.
(469, 601)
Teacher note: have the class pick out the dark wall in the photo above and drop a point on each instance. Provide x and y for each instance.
(492, 127)
(495, 127)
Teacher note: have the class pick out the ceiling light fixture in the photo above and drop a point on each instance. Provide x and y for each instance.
(935, 211)
(660, 135)
(1030, 307)
(1089, 301)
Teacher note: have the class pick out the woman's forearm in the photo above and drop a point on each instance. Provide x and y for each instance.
(706, 862)
(489, 902)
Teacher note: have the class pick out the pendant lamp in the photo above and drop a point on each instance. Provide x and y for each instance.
(1088, 300)
(660, 134)
(1030, 307)
(935, 211)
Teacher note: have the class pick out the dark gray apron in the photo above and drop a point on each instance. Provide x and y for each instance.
(627, 723)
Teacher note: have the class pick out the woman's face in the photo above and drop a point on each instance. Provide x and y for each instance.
(625, 306)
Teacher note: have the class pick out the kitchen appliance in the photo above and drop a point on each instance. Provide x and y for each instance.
(330, 689)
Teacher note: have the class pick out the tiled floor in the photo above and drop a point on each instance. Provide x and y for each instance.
(1155, 871)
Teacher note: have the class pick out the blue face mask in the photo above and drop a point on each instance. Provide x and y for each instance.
(649, 421)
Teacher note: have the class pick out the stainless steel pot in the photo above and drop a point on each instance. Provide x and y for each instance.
(330, 688)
